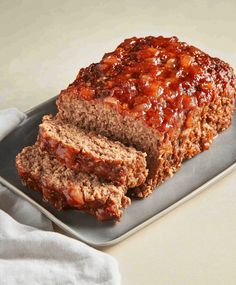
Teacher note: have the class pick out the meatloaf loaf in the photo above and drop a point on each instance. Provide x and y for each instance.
(91, 153)
(159, 95)
(64, 187)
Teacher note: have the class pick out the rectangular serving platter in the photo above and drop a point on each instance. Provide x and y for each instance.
(195, 176)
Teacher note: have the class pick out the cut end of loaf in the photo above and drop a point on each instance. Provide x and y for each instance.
(100, 118)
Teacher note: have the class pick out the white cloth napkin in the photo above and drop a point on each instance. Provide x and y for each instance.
(9, 119)
(30, 253)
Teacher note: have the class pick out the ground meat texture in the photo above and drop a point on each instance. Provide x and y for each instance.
(159, 95)
(63, 187)
(92, 153)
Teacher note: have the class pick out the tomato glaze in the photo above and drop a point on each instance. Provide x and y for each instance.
(156, 79)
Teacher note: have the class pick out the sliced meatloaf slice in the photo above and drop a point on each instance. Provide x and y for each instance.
(159, 95)
(92, 153)
(63, 187)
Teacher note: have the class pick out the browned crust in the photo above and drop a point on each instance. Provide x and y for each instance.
(206, 124)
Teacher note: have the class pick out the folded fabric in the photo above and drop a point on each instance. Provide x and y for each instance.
(9, 119)
(22, 211)
(18, 208)
(32, 254)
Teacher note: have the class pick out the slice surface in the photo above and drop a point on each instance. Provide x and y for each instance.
(92, 153)
(63, 187)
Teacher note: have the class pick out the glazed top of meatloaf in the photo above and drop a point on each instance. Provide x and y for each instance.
(156, 79)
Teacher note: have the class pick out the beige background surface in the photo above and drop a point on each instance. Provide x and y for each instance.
(42, 46)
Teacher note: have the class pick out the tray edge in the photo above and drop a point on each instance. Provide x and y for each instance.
(70, 231)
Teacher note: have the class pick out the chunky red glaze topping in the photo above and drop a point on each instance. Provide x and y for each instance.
(155, 78)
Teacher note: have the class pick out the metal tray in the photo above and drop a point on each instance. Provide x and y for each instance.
(195, 175)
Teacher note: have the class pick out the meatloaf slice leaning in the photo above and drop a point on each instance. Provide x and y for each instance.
(160, 95)
(63, 187)
(92, 153)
